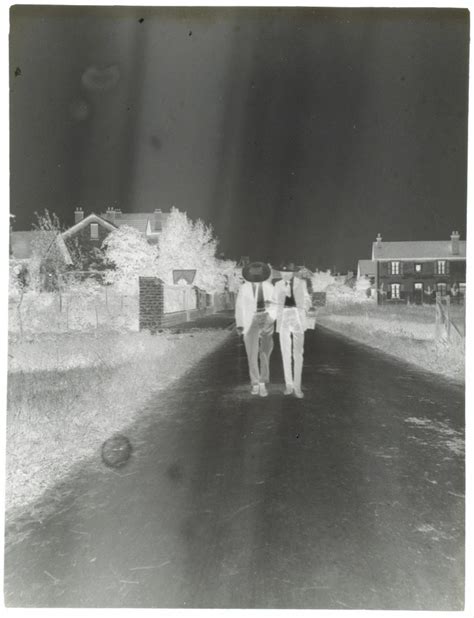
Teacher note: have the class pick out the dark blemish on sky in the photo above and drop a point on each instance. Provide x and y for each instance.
(141, 20)
(190, 33)
(100, 79)
(17, 71)
(402, 78)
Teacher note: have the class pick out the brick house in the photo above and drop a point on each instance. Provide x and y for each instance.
(90, 231)
(414, 271)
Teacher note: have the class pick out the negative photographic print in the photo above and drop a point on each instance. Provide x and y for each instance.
(237, 299)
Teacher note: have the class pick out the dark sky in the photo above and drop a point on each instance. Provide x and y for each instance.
(298, 133)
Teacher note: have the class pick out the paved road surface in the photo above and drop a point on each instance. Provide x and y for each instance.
(350, 498)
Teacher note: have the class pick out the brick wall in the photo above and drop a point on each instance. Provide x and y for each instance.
(84, 237)
(151, 303)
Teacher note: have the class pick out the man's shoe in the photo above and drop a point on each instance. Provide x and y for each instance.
(288, 390)
(262, 391)
(255, 389)
(299, 394)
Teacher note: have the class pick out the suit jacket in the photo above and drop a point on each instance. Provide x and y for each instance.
(246, 303)
(302, 300)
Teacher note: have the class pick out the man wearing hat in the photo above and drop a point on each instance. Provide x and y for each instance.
(255, 317)
(292, 302)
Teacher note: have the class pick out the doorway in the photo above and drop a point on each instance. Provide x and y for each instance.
(418, 293)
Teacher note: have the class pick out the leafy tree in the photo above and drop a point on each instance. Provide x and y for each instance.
(47, 261)
(321, 280)
(185, 244)
(131, 255)
(363, 286)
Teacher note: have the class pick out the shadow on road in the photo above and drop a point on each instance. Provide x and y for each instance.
(350, 498)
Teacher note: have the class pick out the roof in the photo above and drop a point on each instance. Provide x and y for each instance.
(366, 267)
(22, 243)
(138, 220)
(417, 249)
(92, 218)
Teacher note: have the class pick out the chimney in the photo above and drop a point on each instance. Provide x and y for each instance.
(78, 215)
(379, 240)
(110, 214)
(455, 243)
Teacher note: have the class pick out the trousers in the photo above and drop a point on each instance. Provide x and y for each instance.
(292, 329)
(258, 341)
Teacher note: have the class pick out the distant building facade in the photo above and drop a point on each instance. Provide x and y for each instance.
(414, 271)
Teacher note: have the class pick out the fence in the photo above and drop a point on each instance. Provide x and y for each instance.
(81, 307)
(82, 301)
(449, 327)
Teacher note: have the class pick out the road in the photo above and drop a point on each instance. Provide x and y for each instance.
(350, 498)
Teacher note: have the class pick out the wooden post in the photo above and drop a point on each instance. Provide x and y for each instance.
(188, 315)
(448, 317)
(438, 317)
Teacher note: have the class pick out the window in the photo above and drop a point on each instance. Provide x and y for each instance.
(442, 288)
(94, 231)
(395, 290)
(441, 267)
(462, 289)
(418, 268)
(394, 268)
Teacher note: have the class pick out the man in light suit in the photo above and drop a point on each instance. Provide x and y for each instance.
(255, 319)
(292, 302)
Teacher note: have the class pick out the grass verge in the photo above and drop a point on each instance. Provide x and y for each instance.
(68, 393)
(409, 337)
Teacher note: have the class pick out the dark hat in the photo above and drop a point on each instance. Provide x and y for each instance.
(288, 267)
(256, 272)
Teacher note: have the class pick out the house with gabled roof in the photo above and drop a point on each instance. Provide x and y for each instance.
(93, 229)
(90, 231)
(414, 271)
